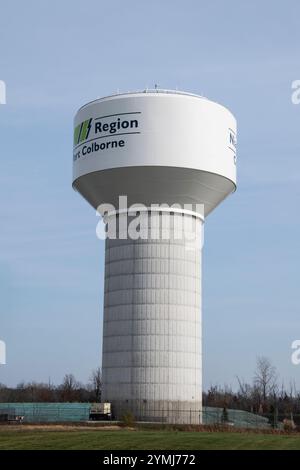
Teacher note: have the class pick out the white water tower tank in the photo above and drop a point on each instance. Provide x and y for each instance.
(155, 147)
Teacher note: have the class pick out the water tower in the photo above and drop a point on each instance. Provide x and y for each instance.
(158, 148)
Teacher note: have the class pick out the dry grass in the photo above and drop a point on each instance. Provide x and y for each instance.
(117, 426)
(58, 427)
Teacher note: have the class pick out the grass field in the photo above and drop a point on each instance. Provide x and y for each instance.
(44, 439)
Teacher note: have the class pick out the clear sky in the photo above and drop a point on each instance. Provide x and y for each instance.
(57, 55)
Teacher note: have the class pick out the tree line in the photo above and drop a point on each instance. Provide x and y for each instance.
(70, 390)
(263, 395)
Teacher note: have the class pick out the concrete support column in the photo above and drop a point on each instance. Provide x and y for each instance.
(152, 321)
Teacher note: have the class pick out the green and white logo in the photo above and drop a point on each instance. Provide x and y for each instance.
(81, 132)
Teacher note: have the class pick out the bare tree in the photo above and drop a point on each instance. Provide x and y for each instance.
(69, 382)
(265, 378)
(96, 383)
(69, 388)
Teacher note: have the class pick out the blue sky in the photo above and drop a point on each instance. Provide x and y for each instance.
(54, 57)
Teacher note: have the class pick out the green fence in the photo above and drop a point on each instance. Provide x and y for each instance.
(79, 412)
(48, 412)
(237, 418)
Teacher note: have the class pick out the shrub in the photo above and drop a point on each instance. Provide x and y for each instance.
(289, 425)
(128, 420)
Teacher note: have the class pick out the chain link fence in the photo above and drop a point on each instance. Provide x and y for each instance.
(80, 412)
